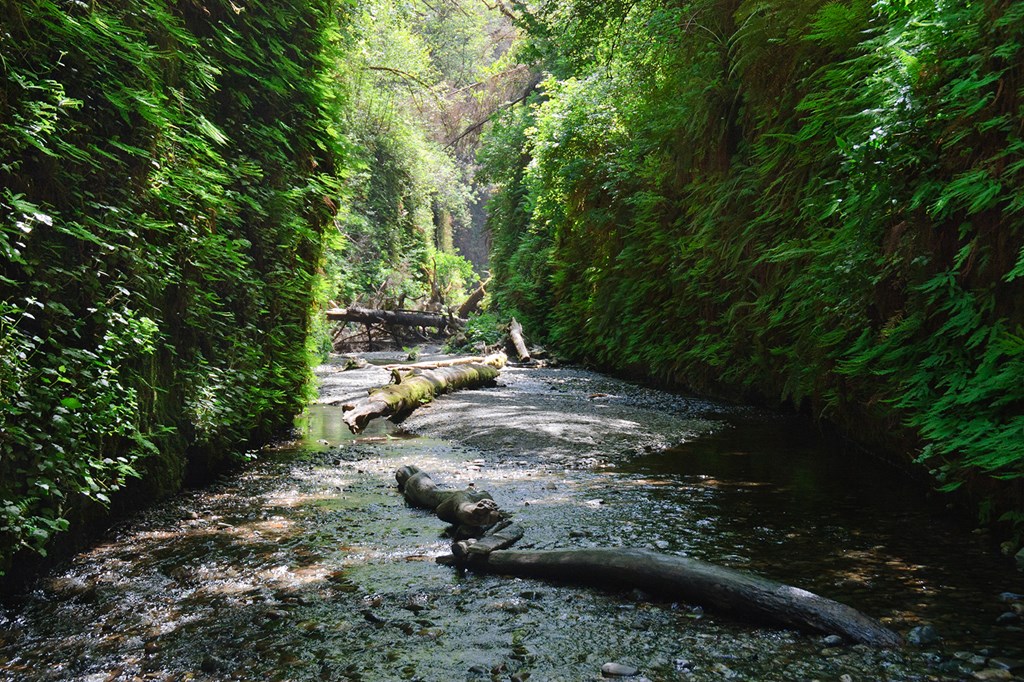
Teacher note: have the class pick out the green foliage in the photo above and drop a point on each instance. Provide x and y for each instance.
(165, 168)
(814, 202)
(481, 328)
(409, 194)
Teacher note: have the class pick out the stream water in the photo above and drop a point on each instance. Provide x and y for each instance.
(307, 564)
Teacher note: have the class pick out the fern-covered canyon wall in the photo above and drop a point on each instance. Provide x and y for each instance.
(166, 179)
(811, 203)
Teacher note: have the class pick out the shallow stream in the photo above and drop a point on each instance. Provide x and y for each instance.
(307, 564)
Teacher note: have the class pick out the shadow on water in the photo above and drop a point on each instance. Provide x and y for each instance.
(775, 497)
(309, 566)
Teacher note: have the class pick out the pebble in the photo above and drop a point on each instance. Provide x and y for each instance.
(834, 640)
(1010, 596)
(682, 665)
(923, 635)
(993, 674)
(612, 669)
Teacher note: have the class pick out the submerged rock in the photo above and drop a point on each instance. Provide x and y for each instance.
(612, 669)
(1011, 664)
(1008, 618)
(923, 635)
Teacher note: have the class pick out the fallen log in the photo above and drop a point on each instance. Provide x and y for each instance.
(413, 389)
(406, 318)
(496, 360)
(469, 508)
(515, 333)
(473, 302)
(713, 587)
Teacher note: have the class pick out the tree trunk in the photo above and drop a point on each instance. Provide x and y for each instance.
(404, 318)
(469, 508)
(515, 332)
(473, 302)
(413, 389)
(496, 360)
(714, 587)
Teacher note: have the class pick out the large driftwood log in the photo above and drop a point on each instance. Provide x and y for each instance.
(714, 587)
(406, 318)
(412, 389)
(469, 508)
(515, 332)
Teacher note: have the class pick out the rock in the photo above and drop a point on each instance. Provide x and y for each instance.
(618, 670)
(833, 641)
(1019, 558)
(212, 664)
(78, 589)
(1010, 596)
(353, 362)
(682, 665)
(923, 635)
(520, 676)
(1008, 618)
(1011, 664)
(993, 674)
(846, 677)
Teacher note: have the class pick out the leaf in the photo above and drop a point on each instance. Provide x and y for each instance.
(71, 403)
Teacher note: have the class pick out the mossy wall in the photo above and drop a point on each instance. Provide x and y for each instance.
(810, 203)
(164, 184)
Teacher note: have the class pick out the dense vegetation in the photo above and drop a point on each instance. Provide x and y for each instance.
(166, 171)
(811, 202)
(406, 71)
(182, 184)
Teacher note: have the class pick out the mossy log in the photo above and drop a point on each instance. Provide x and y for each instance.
(469, 508)
(412, 389)
(714, 587)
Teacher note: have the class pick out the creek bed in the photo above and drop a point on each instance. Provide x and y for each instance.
(307, 564)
